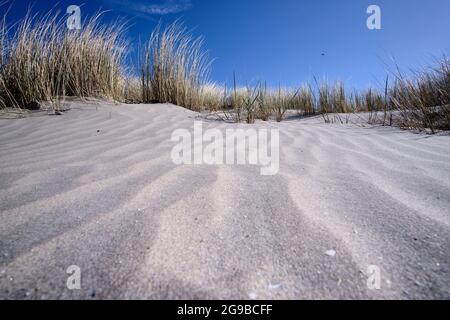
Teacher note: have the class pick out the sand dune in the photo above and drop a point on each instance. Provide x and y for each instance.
(96, 188)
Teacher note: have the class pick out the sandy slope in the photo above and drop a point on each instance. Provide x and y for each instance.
(112, 202)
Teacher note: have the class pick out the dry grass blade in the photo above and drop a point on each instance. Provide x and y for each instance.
(175, 67)
(42, 60)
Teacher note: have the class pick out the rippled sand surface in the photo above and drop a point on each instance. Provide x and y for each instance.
(96, 188)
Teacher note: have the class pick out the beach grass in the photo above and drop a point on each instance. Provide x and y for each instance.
(175, 67)
(41, 60)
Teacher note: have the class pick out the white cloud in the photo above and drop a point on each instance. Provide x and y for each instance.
(154, 7)
(169, 6)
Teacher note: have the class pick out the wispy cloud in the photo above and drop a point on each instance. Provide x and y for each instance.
(153, 7)
(169, 6)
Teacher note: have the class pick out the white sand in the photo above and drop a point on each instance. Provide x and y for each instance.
(113, 203)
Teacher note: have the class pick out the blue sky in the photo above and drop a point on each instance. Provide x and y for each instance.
(290, 41)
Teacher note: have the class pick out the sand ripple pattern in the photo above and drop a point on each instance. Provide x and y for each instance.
(96, 188)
